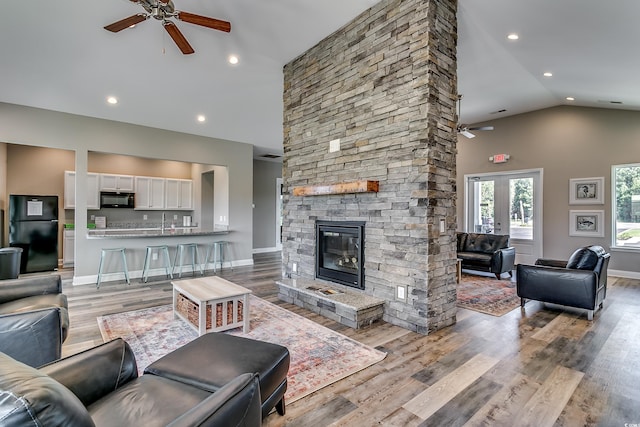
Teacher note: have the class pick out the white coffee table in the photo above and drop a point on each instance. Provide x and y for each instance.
(212, 291)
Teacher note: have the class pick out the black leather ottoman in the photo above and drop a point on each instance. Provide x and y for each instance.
(212, 360)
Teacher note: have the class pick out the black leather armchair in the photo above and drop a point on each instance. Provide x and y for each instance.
(580, 282)
(34, 320)
(101, 387)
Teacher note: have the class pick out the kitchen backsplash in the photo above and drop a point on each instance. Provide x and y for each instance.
(129, 218)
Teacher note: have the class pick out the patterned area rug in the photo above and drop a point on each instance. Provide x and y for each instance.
(319, 356)
(487, 295)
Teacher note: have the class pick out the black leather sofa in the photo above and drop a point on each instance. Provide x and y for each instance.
(580, 282)
(34, 319)
(486, 252)
(101, 387)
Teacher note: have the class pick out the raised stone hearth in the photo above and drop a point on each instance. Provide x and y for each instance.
(352, 309)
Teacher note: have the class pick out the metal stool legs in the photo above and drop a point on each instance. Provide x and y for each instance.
(147, 261)
(103, 255)
(218, 249)
(180, 254)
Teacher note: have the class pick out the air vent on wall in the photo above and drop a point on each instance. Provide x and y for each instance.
(610, 102)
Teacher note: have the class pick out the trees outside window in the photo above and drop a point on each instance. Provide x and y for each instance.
(626, 205)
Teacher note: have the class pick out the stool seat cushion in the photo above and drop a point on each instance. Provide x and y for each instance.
(196, 364)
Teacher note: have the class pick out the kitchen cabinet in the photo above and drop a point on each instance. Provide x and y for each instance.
(120, 183)
(179, 194)
(68, 250)
(93, 194)
(150, 192)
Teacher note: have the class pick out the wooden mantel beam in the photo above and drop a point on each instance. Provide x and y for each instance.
(340, 188)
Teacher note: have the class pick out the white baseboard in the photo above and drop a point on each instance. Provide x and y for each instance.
(624, 274)
(265, 250)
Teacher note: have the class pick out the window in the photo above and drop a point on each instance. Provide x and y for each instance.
(626, 205)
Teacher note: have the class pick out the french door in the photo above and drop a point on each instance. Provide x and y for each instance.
(507, 203)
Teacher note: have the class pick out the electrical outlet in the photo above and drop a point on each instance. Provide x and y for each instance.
(175, 217)
(401, 292)
(443, 226)
(144, 217)
(294, 267)
(154, 256)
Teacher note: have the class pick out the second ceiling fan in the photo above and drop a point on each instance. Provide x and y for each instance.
(162, 10)
(465, 130)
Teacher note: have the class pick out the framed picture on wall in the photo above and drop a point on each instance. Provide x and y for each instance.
(586, 191)
(586, 223)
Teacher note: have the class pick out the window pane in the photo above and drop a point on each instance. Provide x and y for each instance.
(521, 202)
(627, 205)
(483, 216)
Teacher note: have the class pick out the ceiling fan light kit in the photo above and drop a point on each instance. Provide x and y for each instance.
(163, 10)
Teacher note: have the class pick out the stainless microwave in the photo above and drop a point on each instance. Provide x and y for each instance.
(112, 199)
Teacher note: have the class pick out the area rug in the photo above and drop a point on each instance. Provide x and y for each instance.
(487, 295)
(319, 356)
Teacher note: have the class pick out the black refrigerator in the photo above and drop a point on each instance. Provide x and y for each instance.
(33, 226)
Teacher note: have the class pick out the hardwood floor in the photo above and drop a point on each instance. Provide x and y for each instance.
(546, 366)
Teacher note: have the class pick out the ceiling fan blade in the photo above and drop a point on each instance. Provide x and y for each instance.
(466, 133)
(481, 128)
(126, 23)
(178, 38)
(204, 21)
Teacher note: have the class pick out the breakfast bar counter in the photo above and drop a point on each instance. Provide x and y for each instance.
(127, 233)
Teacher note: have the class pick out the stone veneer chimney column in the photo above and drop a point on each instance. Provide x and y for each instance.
(385, 85)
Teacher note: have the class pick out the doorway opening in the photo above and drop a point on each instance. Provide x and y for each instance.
(508, 203)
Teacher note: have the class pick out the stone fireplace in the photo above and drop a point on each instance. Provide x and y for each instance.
(340, 252)
(375, 102)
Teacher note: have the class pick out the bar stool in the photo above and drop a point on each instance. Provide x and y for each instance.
(218, 253)
(182, 247)
(104, 254)
(148, 258)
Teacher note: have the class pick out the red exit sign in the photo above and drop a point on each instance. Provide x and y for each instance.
(499, 158)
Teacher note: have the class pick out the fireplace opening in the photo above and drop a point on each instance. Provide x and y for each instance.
(340, 252)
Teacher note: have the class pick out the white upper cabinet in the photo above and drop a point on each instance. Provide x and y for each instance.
(121, 183)
(149, 192)
(93, 194)
(179, 194)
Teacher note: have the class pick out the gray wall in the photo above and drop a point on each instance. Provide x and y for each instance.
(31, 126)
(566, 142)
(264, 199)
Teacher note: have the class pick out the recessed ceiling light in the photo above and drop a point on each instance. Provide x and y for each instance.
(233, 59)
(201, 118)
(570, 98)
(513, 36)
(112, 100)
(548, 74)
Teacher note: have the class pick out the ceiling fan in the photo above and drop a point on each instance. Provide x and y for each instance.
(162, 10)
(465, 130)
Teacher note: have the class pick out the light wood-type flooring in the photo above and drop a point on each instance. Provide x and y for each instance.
(545, 366)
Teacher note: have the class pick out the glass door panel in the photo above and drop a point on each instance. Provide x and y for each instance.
(521, 202)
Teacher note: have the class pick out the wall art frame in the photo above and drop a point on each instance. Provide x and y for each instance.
(586, 223)
(586, 191)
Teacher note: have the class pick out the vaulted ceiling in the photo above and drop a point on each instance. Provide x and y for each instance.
(56, 55)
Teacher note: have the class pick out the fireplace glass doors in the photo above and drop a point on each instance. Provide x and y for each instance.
(340, 252)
